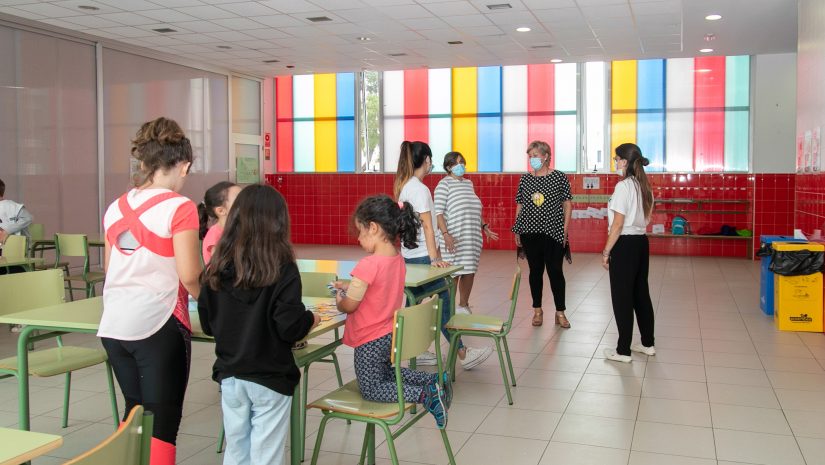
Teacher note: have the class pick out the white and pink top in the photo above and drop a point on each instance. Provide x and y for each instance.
(142, 288)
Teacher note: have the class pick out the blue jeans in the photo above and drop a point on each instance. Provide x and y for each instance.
(256, 420)
(426, 289)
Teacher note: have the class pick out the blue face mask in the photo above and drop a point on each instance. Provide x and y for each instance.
(458, 170)
(536, 163)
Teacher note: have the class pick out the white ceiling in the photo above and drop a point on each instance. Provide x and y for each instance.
(575, 30)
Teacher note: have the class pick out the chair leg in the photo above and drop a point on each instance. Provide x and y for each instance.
(112, 395)
(451, 359)
(390, 443)
(320, 437)
(364, 446)
(66, 390)
(509, 360)
(221, 439)
(337, 370)
(371, 444)
(503, 372)
(303, 400)
(447, 446)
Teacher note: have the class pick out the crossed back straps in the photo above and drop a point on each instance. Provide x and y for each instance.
(131, 222)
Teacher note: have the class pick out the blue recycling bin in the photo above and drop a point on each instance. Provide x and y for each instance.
(766, 277)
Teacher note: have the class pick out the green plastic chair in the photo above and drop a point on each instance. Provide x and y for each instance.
(129, 445)
(415, 329)
(77, 245)
(313, 284)
(487, 326)
(37, 232)
(25, 291)
(15, 246)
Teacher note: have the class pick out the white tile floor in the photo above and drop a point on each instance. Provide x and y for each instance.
(724, 388)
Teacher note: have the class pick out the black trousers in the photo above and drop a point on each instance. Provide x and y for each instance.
(545, 253)
(153, 372)
(629, 290)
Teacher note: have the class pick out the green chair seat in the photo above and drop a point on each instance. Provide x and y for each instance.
(57, 360)
(347, 399)
(485, 323)
(91, 277)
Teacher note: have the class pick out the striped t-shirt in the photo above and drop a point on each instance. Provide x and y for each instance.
(457, 201)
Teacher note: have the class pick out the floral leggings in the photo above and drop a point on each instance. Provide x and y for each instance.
(376, 375)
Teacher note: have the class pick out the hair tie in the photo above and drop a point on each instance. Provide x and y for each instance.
(400, 204)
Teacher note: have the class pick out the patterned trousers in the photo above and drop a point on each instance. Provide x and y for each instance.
(376, 375)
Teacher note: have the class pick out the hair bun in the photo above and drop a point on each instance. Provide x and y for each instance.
(645, 161)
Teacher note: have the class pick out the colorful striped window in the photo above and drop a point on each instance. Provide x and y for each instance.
(489, 114)
(315, 123)
(686, 114)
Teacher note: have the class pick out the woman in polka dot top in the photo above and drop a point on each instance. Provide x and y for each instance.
(543, 211)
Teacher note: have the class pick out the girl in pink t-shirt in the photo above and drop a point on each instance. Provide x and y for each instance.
(372, 297)
(217, 201)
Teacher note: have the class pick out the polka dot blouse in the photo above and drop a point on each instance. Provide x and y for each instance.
(542, 204)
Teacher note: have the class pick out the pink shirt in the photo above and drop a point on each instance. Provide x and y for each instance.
(385, 294)
(210, 240)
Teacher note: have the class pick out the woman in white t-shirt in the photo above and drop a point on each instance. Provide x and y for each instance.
(626, 254)
(414, 163)
(152, 265)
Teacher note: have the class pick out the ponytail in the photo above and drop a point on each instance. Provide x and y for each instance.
(635, 168)
(412, 156)
(396, 219)
(214, 197)
(408, 224)
(203, 220)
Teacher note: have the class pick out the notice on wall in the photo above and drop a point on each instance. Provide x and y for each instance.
(247, 171)
(816, 158)
(807, 151)
(800, 153)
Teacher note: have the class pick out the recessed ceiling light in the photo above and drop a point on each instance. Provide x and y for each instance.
(88, 7)
(455, 42)
(319, 19)
(164, 30)
(710, 37)
(499, 6)
(556, 60)
(523, 29)
(272, 61)
(364, 38)
(225, 47)
(713, 17)
(705, 50)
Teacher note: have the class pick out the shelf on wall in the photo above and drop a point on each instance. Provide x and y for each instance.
(697, 236)
(719, 212)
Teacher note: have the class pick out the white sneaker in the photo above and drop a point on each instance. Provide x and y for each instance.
(425, 359)
(475, 357)
(459, 310)
(642, 349)
(611, 354)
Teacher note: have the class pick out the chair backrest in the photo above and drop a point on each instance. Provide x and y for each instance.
(129, 445)
(24, 291)
(37, 231)
(71, 245)
(15, 247)
(513, 300)
(414, 331)
(314, 284)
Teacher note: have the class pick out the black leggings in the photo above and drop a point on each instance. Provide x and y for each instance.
(629, 290)
(544, 252)
(153, 372)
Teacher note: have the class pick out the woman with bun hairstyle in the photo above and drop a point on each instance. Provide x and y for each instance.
(152, 264)
(626, 254)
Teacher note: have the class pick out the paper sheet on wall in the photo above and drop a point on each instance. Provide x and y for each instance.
(800, 153)
(807, 149)
(816, 159)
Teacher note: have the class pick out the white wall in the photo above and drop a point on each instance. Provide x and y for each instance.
(811, 66)
(774, 113)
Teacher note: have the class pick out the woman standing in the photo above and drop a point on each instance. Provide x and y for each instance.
(152, 262)
(460, 220)
(414, 163)
(626, 254)
(543, 211)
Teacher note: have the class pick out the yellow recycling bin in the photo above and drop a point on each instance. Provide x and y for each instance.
(798, 298)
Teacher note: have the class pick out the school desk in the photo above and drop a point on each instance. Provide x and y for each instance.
(22, 446)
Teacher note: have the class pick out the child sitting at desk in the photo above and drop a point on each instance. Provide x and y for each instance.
(251, 304)
(372, 297)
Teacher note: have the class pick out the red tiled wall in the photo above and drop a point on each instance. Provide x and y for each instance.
(321, 205)
(810, 202)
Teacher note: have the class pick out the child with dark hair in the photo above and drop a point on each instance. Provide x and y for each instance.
(217, 201)
(14, 218)
(251, 303)
(372, 297)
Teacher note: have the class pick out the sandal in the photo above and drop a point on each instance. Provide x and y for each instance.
(561, 320)
(538, 317)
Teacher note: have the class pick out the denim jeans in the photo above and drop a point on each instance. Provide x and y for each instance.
(426, 290)
(256, 420)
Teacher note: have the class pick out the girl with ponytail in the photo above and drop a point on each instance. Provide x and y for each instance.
(214, 209)
(371, 299)
(414, 163)
(626, 254)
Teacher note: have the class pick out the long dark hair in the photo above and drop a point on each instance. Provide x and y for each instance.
(159, 144)
(395, 219)
(413, 155)
(636, 168)
(214, 197)
(255, 243)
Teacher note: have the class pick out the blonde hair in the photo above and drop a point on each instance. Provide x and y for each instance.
(159, 144)
(539, 145)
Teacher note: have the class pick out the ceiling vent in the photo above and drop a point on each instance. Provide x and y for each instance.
(499, 6)
(398, 54)
(272, 61)
(319, 19)
(541, 46)
(455, 42)
(164, 30)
